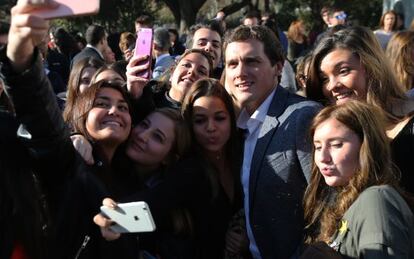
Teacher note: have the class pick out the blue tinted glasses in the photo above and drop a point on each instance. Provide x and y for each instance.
(341, 16)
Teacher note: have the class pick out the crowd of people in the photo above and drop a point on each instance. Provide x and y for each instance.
(256, 144)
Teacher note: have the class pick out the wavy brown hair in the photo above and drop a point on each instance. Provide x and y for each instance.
(383, 89)
(399, 53)
(75, 80)
(325, 206)
(210, 87)
(294, 33)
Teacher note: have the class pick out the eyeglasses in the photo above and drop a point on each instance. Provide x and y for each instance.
(341, 16)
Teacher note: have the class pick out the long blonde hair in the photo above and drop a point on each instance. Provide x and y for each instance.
(399, 53)
(324, 206)
(383, 89)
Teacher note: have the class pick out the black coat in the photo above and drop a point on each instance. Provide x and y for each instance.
(75, 192)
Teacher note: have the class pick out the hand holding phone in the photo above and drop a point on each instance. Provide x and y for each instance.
(133, 217)
(136, 83)
(143, 47)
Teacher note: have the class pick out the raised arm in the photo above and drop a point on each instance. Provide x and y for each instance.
(41, 124)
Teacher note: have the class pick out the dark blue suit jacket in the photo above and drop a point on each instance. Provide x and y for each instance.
(85, 53)
(280, 170)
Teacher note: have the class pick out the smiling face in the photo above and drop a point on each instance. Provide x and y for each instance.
(211, 123)
(343, 77)
(210, 41)
(192, 67)
(151, 141)
(109, 119)
(336, 152)
(250, 77)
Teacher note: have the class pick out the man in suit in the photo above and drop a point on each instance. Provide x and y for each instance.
(96, 39)
(277, 151)
(160, 51)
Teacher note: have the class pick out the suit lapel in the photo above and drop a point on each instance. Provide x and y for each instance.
(268, 129)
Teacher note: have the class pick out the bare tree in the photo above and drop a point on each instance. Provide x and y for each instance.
(185, 12)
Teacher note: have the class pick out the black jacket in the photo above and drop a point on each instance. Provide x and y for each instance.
(75, 192)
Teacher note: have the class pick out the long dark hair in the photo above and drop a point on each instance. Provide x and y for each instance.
(212, 87)
(383, 89)
(73, 91)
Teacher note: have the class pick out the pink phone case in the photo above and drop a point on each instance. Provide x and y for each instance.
(69, 8)
(143, 47)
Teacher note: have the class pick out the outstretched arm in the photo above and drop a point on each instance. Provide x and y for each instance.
(42, 127)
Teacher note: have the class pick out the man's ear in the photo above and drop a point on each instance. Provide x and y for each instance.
(155, 46)
(278, 67)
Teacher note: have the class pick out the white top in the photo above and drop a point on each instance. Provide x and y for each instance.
(383, 37)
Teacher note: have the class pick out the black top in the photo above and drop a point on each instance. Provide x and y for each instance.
(155, 95)
(296, 50)
(402, 148)
(187, 187)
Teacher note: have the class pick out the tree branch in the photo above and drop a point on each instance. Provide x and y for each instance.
(234, 7)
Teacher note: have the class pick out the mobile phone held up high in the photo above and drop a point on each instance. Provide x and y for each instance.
(68, 8)
(143, 47)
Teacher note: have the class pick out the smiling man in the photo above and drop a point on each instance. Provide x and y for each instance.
(208, 36)
(276, 159)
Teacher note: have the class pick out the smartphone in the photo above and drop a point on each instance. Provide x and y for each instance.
(143, 47)
(68, 8)
(132, 217)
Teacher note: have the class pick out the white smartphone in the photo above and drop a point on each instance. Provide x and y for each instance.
(132, 217)
(68, 8)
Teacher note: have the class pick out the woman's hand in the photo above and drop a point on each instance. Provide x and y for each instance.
(104, 223)
(128, 54)
(136, 84)
(26, 32)
(83, 147)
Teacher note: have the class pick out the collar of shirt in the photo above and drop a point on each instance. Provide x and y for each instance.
(97, 50)
(249, 123)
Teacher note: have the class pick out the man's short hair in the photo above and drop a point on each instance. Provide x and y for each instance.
(252, 14)
(94, 34)
(213, 25)
(162, 39)
(325, 9)
(271, 45)
(146, 20)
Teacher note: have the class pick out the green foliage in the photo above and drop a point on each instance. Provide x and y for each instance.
(365, 13)
(119, 15)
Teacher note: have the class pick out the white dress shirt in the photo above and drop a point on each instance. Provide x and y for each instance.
(252, 124)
